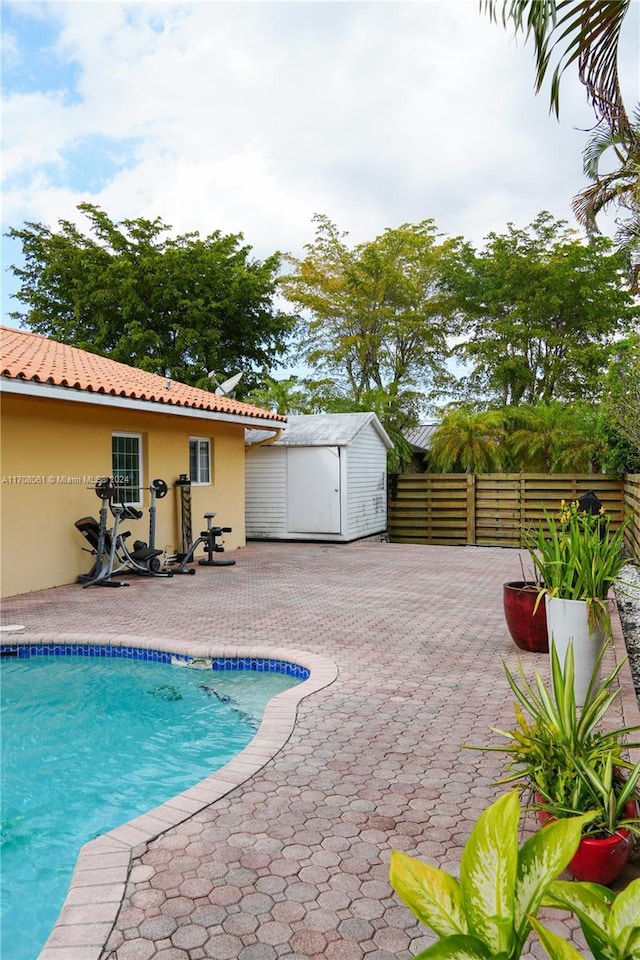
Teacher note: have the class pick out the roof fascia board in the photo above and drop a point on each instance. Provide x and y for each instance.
(31, 388)
(380, 430)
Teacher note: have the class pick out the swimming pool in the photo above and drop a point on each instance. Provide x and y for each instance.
(128, 734)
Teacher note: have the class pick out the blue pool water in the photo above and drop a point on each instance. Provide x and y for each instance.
(87, 744)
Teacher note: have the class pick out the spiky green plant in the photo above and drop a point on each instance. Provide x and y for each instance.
(559, 751)
(577, 557)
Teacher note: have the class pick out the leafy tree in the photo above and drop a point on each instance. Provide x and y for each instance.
(621, 408)
(374, 316)
(179, 306)
(469, 440)
(620, 456)
(541, 311)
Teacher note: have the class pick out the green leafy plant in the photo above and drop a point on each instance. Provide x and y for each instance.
(610, 923)
(487, 912)
(558, 750)
(578, 557)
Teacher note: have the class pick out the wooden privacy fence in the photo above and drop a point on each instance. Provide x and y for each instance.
(495, 509)
(631, 490)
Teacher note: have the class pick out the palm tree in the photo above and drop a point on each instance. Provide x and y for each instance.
(469, 440)
(621, 187)
(553, 437)
(587, 32)
(582, 31)
(281, 396)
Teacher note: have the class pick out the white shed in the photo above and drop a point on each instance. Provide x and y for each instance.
(323, 478)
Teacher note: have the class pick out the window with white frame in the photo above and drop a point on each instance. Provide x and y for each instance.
(200, 460)
(126, 467)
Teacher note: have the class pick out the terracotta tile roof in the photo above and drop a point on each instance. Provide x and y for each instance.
(30, 356)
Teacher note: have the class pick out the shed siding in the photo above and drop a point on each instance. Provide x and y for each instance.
(266, 493)
(366, 478)
(362, 482)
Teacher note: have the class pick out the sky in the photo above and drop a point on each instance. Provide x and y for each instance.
(251, 117)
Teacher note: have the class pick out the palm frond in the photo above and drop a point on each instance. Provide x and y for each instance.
(585, 32)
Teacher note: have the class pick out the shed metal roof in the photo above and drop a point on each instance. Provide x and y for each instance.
(325, 429)
(420, 437)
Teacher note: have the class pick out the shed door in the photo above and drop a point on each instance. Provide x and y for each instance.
(313, 479)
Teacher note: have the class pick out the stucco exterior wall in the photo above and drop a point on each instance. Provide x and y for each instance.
(52, 450)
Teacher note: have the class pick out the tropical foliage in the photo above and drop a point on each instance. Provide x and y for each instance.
(583, 32)
(281, 396)
(470, 441)
(559, 751)
(618, 187)
(553, 438)
(610, 922)
(546, 438)
(587, 34)
(487, 912)
(576, 555)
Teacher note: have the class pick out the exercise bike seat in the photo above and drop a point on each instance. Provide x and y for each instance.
(145, 553)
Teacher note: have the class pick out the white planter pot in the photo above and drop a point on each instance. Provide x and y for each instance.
(568, 621)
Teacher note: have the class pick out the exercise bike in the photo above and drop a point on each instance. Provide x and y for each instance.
(102, 544)
(110, 547)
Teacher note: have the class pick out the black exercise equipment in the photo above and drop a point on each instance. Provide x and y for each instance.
(209, 538)
(157, 489)
(142, 559)
(110, 547)
(102, 545)
(183, 498)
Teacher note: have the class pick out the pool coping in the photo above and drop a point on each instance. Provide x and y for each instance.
(98, 883)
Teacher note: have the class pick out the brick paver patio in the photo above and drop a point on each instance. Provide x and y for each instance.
(293, 862)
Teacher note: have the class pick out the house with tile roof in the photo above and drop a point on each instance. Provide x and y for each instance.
(69, 417)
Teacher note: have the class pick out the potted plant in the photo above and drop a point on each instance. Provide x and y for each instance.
(577, 558)
(526, 618)
(572, 767)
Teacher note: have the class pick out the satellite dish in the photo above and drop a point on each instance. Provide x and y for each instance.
(224, 389)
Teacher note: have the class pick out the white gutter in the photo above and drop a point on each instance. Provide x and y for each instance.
(50, 391)
(261, 443)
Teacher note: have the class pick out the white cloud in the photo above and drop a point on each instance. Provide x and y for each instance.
(250, 117)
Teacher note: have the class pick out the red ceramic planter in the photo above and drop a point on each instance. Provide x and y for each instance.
(601, 859)
(528, 629)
